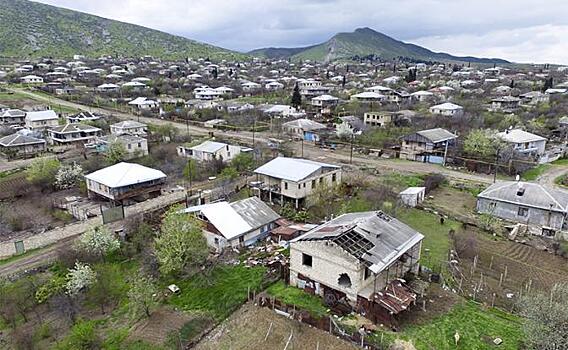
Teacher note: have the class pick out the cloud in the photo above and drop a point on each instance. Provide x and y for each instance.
(525, 30)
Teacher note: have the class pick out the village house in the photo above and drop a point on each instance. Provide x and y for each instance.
(324, 103)
(72, 133)
(21, 146)
(13, 117)
(505, 104)
(144, 104)
(212, 150)
(130, 127)
(83, 117)
(234, 225)
(359, 259)
(532, 98)
(304, 129)
(527, 203)
(124, 182)
(134, 146)
(428, 146)
(423, 96)
(524, 141)
(31, 79)
(294, 179)
(369, 97)
(378, 119)
(41, 120)
(447, 109)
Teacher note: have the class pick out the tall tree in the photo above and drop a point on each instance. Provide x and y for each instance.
(142, 295)
(296, 97)
(180, 243)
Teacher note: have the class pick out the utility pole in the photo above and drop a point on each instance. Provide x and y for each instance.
(496, 164)
(351, 153)
(302, 146)
(445, 153)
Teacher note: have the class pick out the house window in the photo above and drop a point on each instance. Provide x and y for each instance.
(333, 177)
(129, 146)
(285, 185)
(306, 260)
(313, 183)
(304, 185)
(523, 211)
(241, 240)
(299, 186)
(139, 144)
(367, 273)
(321, 180)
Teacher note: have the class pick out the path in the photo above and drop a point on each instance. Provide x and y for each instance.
(548, 177)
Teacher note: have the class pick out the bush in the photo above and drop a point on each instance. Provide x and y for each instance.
(82, 336)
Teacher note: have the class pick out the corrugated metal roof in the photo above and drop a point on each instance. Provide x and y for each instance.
(125, 174)
(389, 237)
(437, 135)
(519, 136)
(292, 169)
(235, 219)
(209, 146)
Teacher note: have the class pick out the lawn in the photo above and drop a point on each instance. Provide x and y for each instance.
(534, 173)
(220, 292)
(294, 296)
(436, 244)
(476, 326)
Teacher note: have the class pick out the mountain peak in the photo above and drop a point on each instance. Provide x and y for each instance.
(364, 42)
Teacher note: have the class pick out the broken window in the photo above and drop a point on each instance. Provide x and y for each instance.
(344, 280)
(306, 260)
(523, 211)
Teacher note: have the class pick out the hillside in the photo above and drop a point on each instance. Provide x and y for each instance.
(34, 29)
(364, 42)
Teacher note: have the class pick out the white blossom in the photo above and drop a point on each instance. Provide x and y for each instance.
(68, 175)
(99, 241)
(79, 278)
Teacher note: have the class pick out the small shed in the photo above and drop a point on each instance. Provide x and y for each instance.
(412, 196)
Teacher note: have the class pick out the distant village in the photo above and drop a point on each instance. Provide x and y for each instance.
(381, 189)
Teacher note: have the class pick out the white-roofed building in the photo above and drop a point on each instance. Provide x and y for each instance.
(236, 224)
(369, 96)
(12, 117)
(39, 120)
(125, 181)
(31, 79)
(306, 129)
(211, 150)
(448, 109)
(294, 179)
(131, 127)
(524, 141)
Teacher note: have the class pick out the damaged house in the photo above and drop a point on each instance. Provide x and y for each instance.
(359, 259)
(236, 224)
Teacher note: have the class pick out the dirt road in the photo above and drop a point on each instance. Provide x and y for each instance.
(547, 178)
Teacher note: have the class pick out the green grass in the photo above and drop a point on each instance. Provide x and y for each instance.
(562, 161)
(402, 181)
(21, 256)
(560, 180)
(436, 238)
(220, 293)
(534, 173)
(294, 296)
(477, 328)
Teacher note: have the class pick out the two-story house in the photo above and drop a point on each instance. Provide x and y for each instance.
(358, 258)
(524, 141)
(72, 133)
(428, 146)
(125, 181)
(130, 127)
(41, 120)
(294, 179)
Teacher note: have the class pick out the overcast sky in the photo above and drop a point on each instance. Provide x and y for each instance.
(519, 30)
